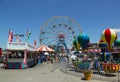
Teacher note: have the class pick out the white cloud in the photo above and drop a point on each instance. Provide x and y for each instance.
(117, 29)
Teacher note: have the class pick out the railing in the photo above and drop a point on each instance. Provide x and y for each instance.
(100, 71)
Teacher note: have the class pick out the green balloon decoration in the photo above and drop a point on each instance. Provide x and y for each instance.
(76, 44)
(117, 42)
(83, 39)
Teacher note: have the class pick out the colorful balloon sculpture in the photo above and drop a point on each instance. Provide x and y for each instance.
(109, 36)
(76, 44)
(117, 42)
(83, 39)
(101, 43)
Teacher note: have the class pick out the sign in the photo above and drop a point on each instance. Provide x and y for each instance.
(20, 35)
(20, 46)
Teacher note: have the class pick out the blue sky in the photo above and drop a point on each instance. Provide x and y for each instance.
(93, 16)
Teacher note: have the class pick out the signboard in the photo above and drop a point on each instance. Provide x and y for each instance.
(20, 35)
(19, 46)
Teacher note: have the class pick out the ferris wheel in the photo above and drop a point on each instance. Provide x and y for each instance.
(60, 31)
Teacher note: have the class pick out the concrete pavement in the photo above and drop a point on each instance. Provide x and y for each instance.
(39, 73)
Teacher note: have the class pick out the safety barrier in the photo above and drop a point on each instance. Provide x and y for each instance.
(100, 71)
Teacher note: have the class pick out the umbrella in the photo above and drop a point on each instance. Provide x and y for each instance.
(45, 48)
(46, 53)
(73, 57)
(75, 52)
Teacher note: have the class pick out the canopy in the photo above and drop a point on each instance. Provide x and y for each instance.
(44, 48)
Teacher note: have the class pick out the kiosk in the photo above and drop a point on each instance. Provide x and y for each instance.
(20, 55)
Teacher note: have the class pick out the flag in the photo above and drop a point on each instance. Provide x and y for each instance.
(18, 39)
(28, 34)
(35, 43)
(10, 36)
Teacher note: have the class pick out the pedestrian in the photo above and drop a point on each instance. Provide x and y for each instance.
(51, 59)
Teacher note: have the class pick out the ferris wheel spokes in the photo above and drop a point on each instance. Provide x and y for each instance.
(48, 32)
(49, 37)
(53, 41)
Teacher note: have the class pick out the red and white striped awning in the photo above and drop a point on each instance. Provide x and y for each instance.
(45, 48)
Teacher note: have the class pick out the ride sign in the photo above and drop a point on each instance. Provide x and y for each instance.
(20, 35)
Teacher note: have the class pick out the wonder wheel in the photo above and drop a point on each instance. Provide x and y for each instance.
(59, 31)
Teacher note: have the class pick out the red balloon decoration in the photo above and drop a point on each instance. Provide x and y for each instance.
(109, 36)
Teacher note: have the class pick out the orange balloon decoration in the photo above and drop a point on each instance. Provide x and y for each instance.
(109, 36)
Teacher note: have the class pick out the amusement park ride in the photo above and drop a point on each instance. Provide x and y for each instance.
(59, 31)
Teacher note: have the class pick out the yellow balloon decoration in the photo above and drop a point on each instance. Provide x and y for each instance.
(109, 36)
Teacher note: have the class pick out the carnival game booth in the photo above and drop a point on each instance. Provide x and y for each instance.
(20, 55)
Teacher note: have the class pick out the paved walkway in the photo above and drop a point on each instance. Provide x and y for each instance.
(40, 73)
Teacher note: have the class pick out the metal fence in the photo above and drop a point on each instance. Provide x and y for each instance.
(103, 71)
